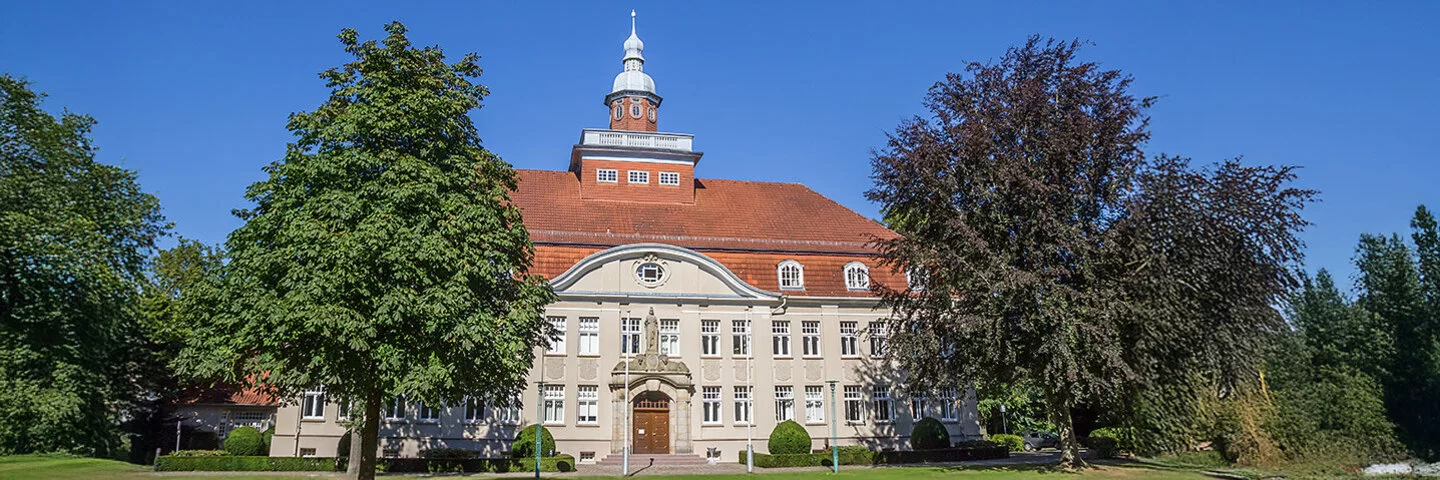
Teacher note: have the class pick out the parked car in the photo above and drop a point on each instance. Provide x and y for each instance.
(1038, 440)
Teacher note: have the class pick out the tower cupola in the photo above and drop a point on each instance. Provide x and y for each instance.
(632, 101)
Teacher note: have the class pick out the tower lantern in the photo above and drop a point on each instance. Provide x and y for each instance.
(632, 102)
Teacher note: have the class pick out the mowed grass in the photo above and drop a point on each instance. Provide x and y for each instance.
(28, 467)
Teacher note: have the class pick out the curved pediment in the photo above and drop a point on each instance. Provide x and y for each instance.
(655, 270)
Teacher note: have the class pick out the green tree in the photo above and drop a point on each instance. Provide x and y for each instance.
(74, 238)
(1337, 334)
(1051, 251)
(382, 256)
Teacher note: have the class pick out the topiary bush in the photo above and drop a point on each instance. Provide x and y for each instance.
(1106, 441)
(342, 449)
(265, 437)
(929, 434)
(524, 445)
(1012, 443)
(245, 442)
(789, 438)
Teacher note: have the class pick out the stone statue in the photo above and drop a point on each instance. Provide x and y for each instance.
(652, 334)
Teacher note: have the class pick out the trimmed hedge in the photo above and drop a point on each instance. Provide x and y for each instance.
(789, 438)
(524, 445)
(245, 442)
(559, 463)
(267, 436)
(1103, 447)
(929, 434)
(861, 456)
(1012, 442)
(171, 463)
(198, 453)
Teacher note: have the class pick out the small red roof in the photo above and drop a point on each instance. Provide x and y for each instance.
(727, 215)
(225, 395)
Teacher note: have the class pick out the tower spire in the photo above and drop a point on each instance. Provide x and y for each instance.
(632, 100)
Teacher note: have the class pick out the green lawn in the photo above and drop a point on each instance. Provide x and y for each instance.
(28, 467)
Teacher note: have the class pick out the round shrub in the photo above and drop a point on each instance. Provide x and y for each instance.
(265, 437)
(1102, 447)
(342, 449)
(245, 442)
(929, 434)
(524, 445)
(1011, 442)
(789, 437)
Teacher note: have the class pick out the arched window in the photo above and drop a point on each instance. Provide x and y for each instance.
(618, 110)
(792, 275)
(916, 278)
(652, 114)
(857, 276)
(635, 110)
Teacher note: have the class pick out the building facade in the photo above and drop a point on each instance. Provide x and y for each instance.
(695, 314)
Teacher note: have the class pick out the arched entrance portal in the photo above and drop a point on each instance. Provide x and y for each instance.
(652, 423)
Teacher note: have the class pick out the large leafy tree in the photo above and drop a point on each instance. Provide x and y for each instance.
(1052, 252)
(382, 256)
(74, 238)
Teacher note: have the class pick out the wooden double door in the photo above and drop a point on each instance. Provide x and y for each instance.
(652, 425)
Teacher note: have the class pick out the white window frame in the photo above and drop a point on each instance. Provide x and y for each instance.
(637, 177)
(607, 175)
(780, 338)
(854, 404)
(710, 404)
(740, 336)
(743, 406)
(425, 413)
(784, 403)
(918, 401)
(849, 339)
(857, 276)
(553, 405)
(630, 336)
(670, 337)
(915, 278)
(814, 404)
(587, 408)
(394, 410)
(312, 407)
(557, 344)
(877, 338)
(795, 273)
(948, 411)
(589, 336)
(508, 415)
(669, 178)
(810, 338)
(882, 405)
(710, 338)
(474, 410)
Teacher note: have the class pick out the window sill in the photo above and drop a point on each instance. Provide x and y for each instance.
(312, 419)
(784, 357)
(815, 357)
(588, 355)
(884, 422)
(427, 422)
(556, 354)
(855, 422)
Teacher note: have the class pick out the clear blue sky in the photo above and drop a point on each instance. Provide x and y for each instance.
(195, 97)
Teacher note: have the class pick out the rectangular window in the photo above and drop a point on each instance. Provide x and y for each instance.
(395, 409)
(880, 401)
(639, 177)
(589, 336)
(780, 338)
(784, 403)
(710, 396)
(849, 341)
(670, 337)
(740, 337)
(710, 338)
(917, 405)
(607, 175)
(948, 410)
(630, 335)
(588, 408)
(853, 404)
(815, 404)
(810, 332)
(508, 415)
(669, 178)
(313, 407)
(474, 410)
(554, 405)
(877, 339)
(426, 413)
(557, 343)
(742, 405)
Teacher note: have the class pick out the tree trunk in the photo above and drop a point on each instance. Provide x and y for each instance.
(369, 435)
(1070, 458)
(357, 445)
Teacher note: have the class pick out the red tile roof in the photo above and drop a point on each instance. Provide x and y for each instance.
(225, 395)
(750, 227)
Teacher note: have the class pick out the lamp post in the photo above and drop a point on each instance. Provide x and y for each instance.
(834, 438)
(1003, 427)
(750, 386)
(539, 423)
(627, 350)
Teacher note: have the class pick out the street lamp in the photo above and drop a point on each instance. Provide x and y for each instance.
(750, 387)
(834, 439)
(1003, 427)
(539, 423)
(628, 351)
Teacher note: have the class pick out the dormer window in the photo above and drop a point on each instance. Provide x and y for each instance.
(916, 278)
(857, 276)
(792, 275)
(639, 177)
(607, 175)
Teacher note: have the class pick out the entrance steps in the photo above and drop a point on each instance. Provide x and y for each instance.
(640, 460)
